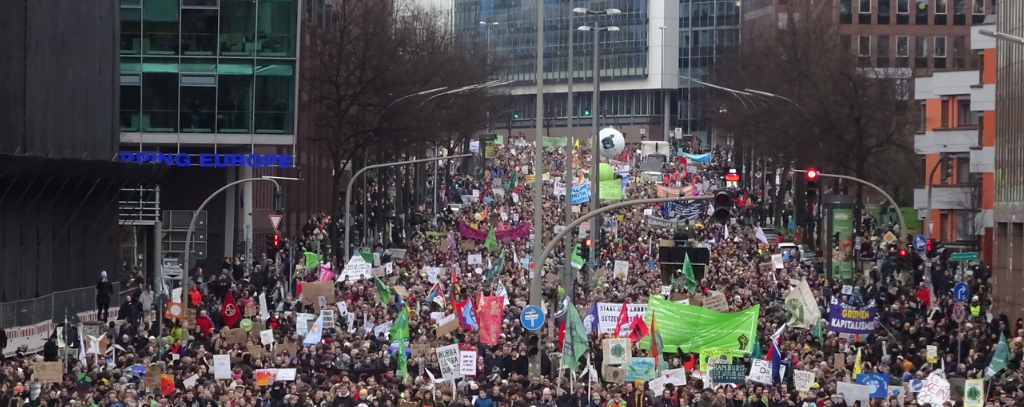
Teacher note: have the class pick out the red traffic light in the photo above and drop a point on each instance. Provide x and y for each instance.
(587, 242)
(812, 174)
(903, 252)
(732, 177)
(277, 240)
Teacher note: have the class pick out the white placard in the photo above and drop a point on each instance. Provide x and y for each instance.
(475, 259)
(191, 381)
(384, 328)
(467, 363)
(432, 273)
(328, 314)
(221, 367)
(851, 393)
(935, 391)
(621, 269)
(803, 381)
(302, 323)
(761, 371)
(932, 353)
(356, 269)
(777, 261)
(283, 375)
(666, 290)
(267, 337)
(448, 361)
(608, 315)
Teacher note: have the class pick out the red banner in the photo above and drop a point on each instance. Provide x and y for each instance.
(469, 232)
(489, 314)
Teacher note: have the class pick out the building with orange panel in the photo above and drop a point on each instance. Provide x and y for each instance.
(955, 142)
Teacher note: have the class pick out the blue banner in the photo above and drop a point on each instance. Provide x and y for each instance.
(681, 209)
(581, 194)
(847, 319)
(877, 383)
(697, 158)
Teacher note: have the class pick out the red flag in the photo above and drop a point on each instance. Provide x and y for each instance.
(623, 320)
(229, 311)
(561, 334)
(637, 330)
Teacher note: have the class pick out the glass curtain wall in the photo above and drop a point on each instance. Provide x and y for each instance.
(208, 66)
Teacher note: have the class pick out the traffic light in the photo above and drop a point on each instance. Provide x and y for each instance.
(585, 249)
(273, 243)
(515, 115)
(586, 112)
(946, 161)
(811, 192)
(722, 207)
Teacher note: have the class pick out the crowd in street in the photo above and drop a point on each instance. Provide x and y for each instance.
(382, 343)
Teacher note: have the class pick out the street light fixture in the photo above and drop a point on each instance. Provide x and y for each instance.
(1002, 36)
(595, 181)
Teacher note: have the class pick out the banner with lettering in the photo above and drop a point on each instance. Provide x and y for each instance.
(608, 314)
(681, 209)
(489, 313)
(845, 318)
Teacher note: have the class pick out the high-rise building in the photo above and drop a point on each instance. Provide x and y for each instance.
(638, 63)
(212, 85)
(1008, 267)
(708, 29)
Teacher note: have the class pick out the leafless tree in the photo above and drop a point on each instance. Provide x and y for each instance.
(969, 203)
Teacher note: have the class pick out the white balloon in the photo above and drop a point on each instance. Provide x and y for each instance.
(611, 142)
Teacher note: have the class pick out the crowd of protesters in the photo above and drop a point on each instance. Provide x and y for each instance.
(354, 365)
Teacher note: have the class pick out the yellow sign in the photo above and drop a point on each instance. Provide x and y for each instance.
(488, 149)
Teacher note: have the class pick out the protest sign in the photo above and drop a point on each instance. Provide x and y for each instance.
(716, 302)
(722, 373)
(847, 319)
(311, 292)
(420, 350)
(777, 261)
(722, 354)
(621, 269)
(878, 384)
(302, 323)
(934, 391)
(974, 393)
(608, 314)
(446, 327)
(475, 259)
(233, 336)
(613, 374)
(267, 336)
(932, 353)
(255, 350)
(48, 372)
(852, 393)
(448, 361)
(802, 381)
(640, 369)
(802, 308)
(761, 371)
(695, 328)
(467, 363)
(221, 367)
(356, 269)
(617, 351)
(328, 315)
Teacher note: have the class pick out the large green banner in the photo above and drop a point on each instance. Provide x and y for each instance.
(842, 250)
(694, 328)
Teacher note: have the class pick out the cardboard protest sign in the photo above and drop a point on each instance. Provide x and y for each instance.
(613, 374)
(761, 371)
(311, 292)
(221, 367)
(716, 302)
(802, 380)
(267, 336)
(934, 391)
(447, 327)
(233, 336)
(420, 350)
(48, 372)
(852, 393)
(255, 350)
(618, 351)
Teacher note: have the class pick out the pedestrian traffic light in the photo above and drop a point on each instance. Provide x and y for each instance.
(588, 242)
(811, 192)
(277, 240)
(722, 206)
(947, 163)
(515, 115)
(273, 243)
(586, 112)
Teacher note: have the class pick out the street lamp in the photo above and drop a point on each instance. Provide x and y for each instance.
(1002, 36)
(595, 182)
(488, 34)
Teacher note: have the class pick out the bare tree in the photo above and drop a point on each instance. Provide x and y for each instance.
(969, 203)
(831, 113)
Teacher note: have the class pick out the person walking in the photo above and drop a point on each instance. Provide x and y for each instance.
(103, 291)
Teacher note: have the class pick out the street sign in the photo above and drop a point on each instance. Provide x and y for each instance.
(966, 256)
(275, 221)
(532, 318)
(959, 312)
(960, 292)
(889, 237)
(919, 242)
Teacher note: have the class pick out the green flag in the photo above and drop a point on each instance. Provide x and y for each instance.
(818, 333)
(755, 350)
(403, 368)
(695, 328)
(400, 328)
(691, 281)
(367, 257)
(382, 290)
(495, 269)
(999, 358)
(575, 342)
(312, 261)
(491, 243)
(575, 259)
(512, 182)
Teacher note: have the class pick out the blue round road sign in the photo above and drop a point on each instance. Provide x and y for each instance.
(919, 242)
(960, 292)
(532, 318)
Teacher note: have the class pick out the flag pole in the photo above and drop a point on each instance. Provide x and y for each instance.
(590, 379)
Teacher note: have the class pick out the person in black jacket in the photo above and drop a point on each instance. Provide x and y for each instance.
(50, 352)
(103, 291)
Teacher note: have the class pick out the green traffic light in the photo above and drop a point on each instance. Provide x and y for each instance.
(516, 115)
(586, 113)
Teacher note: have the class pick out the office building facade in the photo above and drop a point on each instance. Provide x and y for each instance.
(708, 29)
(1008, 266)
(209, 77)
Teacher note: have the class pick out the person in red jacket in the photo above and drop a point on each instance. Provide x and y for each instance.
(924, 295)
(204, 324)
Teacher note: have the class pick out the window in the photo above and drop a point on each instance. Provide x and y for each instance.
(964, 114)
(963, 169)
(234, 97)
(198, 32)
(903, 6)
(865, 7)
(944, 229)
(979, 7)
(940, 47)
(902, 46)
(884, 7)
(864, 46)
(131, 31)
(960, 52)
(883, 51)
(275, 86)
(131, 102)
(783, 20)
(965, 227)
(237, 28)
(940, 6)
(923, 173)
(159, 102)
(922, 118)
(275, 28)
(198, 93)
(945, 112)
(161, 21)
(921, 52)
(844, 41)
(845, 12)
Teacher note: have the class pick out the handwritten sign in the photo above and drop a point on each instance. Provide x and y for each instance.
(935, 390)
(467, 363)
(716, 302)
(48, 372)
(448, 360)
(803, 381)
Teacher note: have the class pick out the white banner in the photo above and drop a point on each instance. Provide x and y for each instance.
(448, 361)
(852, 393)
(608, 314)
(356, 269)
(761, 371)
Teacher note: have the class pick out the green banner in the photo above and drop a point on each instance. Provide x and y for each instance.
(555, 141)
(842, 255)
(695, 328)
(611, 190)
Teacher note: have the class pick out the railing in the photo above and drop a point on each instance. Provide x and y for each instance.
(53, 307)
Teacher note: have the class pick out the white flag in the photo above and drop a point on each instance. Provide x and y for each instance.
(803, 311)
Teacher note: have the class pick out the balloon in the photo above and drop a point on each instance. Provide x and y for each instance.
(611, 142)
(605, 172)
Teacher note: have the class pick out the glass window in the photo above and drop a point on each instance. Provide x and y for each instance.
(921, 47)
(884, 7)
(940, 6)
(275, 87)
(783, 20)
(965, 227)
(198, 32)
(940, 46)
(979, 6)
(865, 7)
(901, 46)
(198, 98)
(903, 6)
(131, 31)
(864, 46)
(275, 27)
(131, 102)
(160, 19)
(237, 28)
(159, 102)
(883, 46)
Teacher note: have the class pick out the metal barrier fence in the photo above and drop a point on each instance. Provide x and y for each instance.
(54, 306)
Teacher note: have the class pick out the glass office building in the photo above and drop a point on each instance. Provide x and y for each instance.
(707, 29)
(208, 66)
